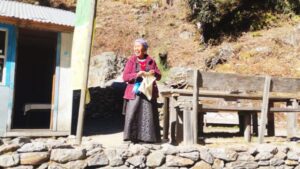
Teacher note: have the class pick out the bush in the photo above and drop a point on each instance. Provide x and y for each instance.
(232, 17)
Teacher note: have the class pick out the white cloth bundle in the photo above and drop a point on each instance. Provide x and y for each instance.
(146, 86)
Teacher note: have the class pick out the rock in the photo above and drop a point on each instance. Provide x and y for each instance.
(280, 155)
(114, 158)
(136, 161)
(33, 147)
(170, 150)
(292, 155)
(206, 156)
(242, 165)
(43, 166)
(263, 163)
(155, 159)
(239, 148)
(297, 167)
(94, 151)
(264, 156)
(253, 151)
(55, 144)
(186, 35)
(139, 150)
(224, 154)
(98, 160)
(192, 155)
(8, 148)
(218, 164)
(55, 166)
(35, 158)
(153, 146)
(283, 149)
(202, 165)
(291, 162)
(267, 148)
(245, 157)
(105, 67)
(66, 155)
(22, 167)
(80, 164)
(175, 161)
(20, 141)
(188, 149)
(90, 146)
(276, 162)
(9, 160)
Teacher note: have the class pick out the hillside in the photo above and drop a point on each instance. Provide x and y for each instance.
(272, 49)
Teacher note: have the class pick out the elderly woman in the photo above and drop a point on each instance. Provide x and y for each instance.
(141, 114)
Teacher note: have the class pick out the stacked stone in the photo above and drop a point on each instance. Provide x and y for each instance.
(24, 153)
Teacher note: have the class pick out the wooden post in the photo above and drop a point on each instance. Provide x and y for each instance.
(194, 114)
(247, 126)
(254, 124)
(264, 109)
(173, 117)
(292, 120)
(187, 126)
(81, 50)
(271, 121)
(166, 118)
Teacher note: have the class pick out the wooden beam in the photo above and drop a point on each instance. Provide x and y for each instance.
(30, 24)
(264, 109)
(188, 121)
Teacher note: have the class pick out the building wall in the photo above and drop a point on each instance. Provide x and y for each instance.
(6, 90)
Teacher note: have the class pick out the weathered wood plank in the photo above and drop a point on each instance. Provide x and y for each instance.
(166, 118)
(292, 120)
(233, 82)
(217, 108)
(264, 110)
(228, 95)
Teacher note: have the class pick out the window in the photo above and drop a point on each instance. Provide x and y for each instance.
(3, 45)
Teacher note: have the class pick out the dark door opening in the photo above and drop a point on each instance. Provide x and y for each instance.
(35, 70)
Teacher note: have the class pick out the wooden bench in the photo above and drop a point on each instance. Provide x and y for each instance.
(231, 88)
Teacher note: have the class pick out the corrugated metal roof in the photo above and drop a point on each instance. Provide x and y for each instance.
(10, 8)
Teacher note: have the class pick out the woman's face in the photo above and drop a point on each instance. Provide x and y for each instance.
(139, 49)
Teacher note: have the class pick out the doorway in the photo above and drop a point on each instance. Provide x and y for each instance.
(34, 79)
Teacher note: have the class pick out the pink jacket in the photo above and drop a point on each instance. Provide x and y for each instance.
(130, 74)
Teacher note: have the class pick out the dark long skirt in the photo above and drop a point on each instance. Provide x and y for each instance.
(141, 120)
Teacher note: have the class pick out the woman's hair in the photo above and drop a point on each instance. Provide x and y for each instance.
(142, 42)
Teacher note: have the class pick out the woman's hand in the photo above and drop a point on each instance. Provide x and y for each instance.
(140, 73)
(151, 72)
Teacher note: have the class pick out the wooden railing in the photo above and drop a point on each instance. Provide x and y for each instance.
(206, 85)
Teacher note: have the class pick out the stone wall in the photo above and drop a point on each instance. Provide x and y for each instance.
(23, 153)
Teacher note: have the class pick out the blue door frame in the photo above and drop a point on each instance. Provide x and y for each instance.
(6, 117)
